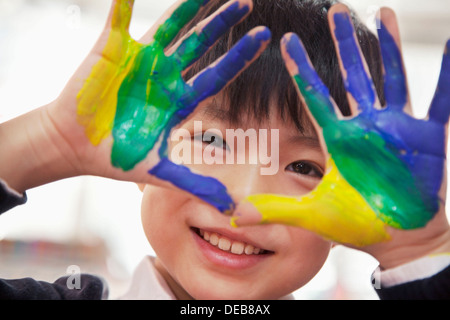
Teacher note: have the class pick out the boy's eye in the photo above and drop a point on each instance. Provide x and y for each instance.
(212, 139)
(305, 168)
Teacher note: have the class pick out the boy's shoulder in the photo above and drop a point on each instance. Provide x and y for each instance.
(9, 198)
(73, 287)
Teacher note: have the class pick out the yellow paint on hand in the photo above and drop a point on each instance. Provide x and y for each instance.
(334, 210)
(97, 100)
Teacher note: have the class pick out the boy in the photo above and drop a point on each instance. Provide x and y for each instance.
(195, 245)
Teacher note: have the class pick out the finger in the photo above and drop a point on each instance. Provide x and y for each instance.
(360, 88)
(208, 189)
(207, 32)
(395, 83)
(212, 80)
(334, 210)
(120, 14)
(186, 10)
(147, 38)
(440, 106)
(311, 88)
(318, 217)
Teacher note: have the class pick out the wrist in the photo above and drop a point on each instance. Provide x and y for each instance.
(413, 246)
(29, 156)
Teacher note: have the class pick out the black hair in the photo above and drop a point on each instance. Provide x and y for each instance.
(267, 80)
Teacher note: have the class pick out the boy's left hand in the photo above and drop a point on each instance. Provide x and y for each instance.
(384, 188)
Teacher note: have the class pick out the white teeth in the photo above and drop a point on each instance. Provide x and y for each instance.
(237, 247)
(226, 244)
(249, 249)
(214, 239)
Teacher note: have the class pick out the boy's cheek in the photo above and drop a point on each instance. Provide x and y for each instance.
(158, 204)
(305, 252)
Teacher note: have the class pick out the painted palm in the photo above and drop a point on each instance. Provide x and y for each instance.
(136, 92)
(385, 168)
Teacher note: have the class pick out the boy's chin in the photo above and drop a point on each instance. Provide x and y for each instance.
(219, 289)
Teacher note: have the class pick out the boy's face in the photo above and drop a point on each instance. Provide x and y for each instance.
(194, 243)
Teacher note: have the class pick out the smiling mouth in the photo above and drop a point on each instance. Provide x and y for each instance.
(228, 245)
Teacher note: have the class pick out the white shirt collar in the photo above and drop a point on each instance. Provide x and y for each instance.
(147, 283)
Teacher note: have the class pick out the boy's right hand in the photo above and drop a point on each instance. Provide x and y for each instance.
(115, 115)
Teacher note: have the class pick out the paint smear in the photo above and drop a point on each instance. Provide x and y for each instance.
(206, 188)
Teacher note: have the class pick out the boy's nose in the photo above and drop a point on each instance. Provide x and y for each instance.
(244, 180)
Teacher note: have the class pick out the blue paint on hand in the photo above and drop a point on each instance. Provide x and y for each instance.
(321, 108)
(208, 189)
(440, 106)
(395, 89)
(357, 82)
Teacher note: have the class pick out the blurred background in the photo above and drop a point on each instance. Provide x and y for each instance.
(94, 223)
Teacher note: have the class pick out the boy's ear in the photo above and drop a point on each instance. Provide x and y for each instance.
(141, 186)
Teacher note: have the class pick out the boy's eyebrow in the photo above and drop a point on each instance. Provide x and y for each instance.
(311, 141)
(213, 111)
